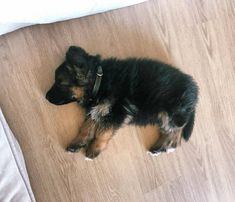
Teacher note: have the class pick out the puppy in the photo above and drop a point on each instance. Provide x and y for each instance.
(116, 92)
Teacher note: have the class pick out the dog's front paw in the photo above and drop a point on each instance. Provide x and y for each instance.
(92, 153)
(73, 148)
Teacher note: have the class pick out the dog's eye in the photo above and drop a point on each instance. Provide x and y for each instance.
(79, 66)
(80, 76)
(62, 83)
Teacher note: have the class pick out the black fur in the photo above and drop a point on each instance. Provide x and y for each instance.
(138, 88)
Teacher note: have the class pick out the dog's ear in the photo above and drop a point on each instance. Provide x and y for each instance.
(77, 56)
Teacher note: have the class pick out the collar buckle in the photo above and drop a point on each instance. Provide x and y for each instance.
(99, 71)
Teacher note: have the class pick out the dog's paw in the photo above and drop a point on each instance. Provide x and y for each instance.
(157, 150)
(91, 154)
(154, 154)
(73, 148)
(88, 159)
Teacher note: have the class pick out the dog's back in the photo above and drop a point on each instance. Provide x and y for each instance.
(152, 87)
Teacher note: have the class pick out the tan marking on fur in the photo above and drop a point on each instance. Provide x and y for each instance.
(77, 92)
(92, 130)
(100, 110)
(165, 123)
(100, 142)
(170, 140)
(86, 132)
(102, 139)
(170, 137)
(128, 119)
(175, 138)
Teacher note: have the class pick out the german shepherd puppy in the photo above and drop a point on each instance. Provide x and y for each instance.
(115, 92)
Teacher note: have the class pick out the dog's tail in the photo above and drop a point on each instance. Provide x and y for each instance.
(188, 128)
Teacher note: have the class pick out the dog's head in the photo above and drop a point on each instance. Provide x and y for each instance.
(72, 77)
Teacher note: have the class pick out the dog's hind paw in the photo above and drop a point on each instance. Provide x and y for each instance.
(154, 154)
(157, 150)
(88, 159)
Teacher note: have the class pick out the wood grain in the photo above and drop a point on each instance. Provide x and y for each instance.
(197, 36)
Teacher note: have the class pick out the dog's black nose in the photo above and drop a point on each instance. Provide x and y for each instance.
(47, 96)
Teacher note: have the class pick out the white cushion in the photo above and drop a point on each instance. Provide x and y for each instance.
(14, 181)
(15, 14)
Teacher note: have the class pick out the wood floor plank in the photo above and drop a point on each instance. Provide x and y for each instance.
(197, 36)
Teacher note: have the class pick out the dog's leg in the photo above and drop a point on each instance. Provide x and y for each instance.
(170, 137)
(167, 142)
(100, 142)
(86, 133)
(158, 147)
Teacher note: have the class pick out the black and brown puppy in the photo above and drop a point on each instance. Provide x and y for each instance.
(115, 92)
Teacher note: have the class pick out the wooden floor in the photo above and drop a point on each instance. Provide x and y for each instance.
(197, 36)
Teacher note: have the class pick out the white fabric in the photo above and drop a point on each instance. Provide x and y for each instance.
(14, 181)
(20, 13)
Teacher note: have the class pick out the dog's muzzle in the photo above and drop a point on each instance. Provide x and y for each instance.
(58, 97)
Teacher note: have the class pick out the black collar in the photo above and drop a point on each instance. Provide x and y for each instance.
(98, 80)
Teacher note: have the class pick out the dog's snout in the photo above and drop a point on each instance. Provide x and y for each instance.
(58, 97)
